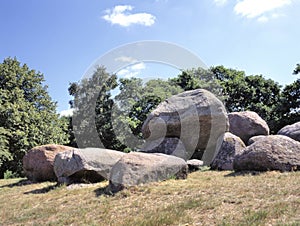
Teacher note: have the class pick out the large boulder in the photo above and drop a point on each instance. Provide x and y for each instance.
(168, 146)
(196, 117)
(254, 139)
(38, 162)
(247, 124)
(292, 131)
(231, 146)
(138, 168)
(275, 152)
(85, 165)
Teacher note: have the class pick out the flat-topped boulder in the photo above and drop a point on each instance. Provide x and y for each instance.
(138, 168)
(85, 165)
(168, 146)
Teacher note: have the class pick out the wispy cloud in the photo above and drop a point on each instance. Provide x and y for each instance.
(132, 71)
(220, 2)
(121, 15)
(262, 10)
(125, 59)
(264, 19)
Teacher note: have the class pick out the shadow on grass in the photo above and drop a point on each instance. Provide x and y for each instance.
(103, 191)
(19, 183)
(43, 190)
(244, 173)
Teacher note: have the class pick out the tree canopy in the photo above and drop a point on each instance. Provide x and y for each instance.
(28, 115)
(250, 92)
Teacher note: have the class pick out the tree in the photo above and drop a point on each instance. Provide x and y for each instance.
(68, 120)
(290, 102)
(93, 110)
(27, 115)
(253, 92)
(297, 69)
(199, 78)
(234, 85)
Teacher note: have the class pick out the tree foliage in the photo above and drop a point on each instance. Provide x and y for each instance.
(27, 115)
(290, 101)
(252, 92)
(199, 78)
(297, 69)
(93, 104)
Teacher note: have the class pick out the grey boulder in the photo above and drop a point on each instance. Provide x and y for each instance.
(168, 146)
(275, 152)
(138, 168)
(85, 165)
(247, 124)
(197, 117)
(292, 131)
(231, 146)
(254, 139)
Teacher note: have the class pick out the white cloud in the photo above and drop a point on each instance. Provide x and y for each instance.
(67, 113)
(132, 71)
(138, 67)
(121, 15)
(125, 59)
(265, 19)
(220, 2)
(259, 8)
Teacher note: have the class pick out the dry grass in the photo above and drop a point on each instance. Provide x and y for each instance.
(205, 198)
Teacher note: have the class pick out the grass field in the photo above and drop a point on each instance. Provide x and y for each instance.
(205, 198)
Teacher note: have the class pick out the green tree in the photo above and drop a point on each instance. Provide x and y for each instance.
(68, 120)
(253, 92)
(93, 110)
(27, 115)
(297, 69)
(199, 78)
(290, 102)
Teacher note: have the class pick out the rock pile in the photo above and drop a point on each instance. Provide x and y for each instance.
(181, 131)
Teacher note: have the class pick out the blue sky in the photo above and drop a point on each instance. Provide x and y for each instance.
(61, 38)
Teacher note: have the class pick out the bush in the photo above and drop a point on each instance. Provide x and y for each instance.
(9, 174)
